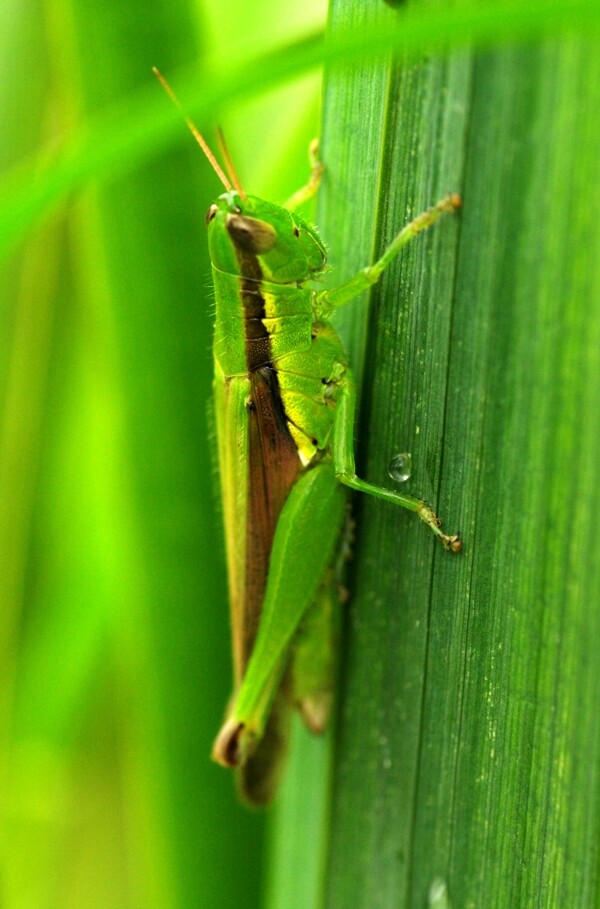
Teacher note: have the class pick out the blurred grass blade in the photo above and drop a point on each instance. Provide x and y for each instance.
(131, 132)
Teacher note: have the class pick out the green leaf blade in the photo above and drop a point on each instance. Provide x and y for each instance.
(468, 714)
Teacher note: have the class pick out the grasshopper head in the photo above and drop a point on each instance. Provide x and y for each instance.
(257, 239)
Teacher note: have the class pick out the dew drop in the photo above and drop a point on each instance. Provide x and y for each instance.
(438, 894)
(401, 467)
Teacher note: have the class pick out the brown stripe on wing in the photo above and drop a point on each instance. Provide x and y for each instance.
(274, 466)
(273, 461)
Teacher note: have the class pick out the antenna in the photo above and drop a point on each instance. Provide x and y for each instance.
(195, 132)
(229, 163)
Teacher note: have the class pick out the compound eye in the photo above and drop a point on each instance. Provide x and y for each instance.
(211, 213)
(251, 234)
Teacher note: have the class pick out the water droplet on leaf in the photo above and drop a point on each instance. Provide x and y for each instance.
(401, 467)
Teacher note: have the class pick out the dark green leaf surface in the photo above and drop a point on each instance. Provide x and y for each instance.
(468, 736)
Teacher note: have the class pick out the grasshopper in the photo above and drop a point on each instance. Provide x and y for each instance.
(284, 401)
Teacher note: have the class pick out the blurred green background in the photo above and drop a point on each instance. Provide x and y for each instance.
(467, 738)
(114, 627)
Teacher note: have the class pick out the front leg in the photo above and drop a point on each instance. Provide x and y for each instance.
(329, 300)
(310, 189)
